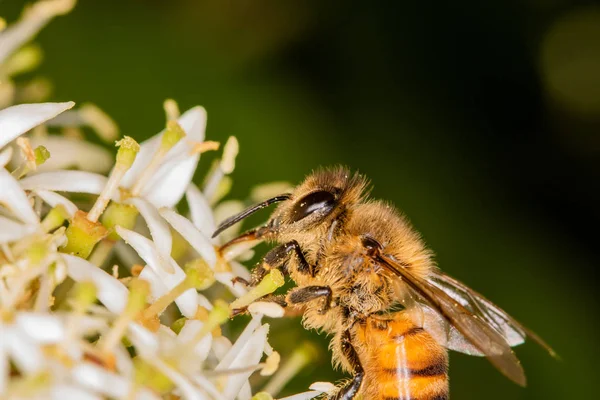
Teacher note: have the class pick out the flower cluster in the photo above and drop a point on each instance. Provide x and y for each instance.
(106, 289)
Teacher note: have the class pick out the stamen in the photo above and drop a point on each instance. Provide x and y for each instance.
(171, 109)
(217, 316)
(194, 280)
(55, 218)
(173, 134)
(99, 121)
(30, 158)
(268, 285)
(300, 358)
(138, 291)
(26, 59)
(271, 364)
(128, 149)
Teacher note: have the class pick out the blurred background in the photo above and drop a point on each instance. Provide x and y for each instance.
(479, 119)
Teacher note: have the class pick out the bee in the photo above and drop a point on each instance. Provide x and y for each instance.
(364, 276)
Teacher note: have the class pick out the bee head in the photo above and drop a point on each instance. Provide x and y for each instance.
(323, 195)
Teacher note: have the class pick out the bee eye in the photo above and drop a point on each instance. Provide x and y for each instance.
(322, 201)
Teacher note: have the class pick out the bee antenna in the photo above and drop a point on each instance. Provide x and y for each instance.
(251, 210)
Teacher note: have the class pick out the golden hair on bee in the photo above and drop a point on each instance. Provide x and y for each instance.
(364, 276)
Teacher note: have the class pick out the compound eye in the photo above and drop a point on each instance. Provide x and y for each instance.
(322, 201)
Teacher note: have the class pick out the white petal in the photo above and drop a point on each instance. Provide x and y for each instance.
(202, 215)
(27, 356)
(4, 364)
(161, 235)
(100, 380)
(145, 342)
(192, 235)
(16, 120)
(189, 330)
(189, 391)
(187, 302)
(168, 184)
(240, 270)
(239, 344)
(147, 150)
(193, 123)
(324, 387)
(5, 156)
(66, 181)
(13, 197)
(157, 287)
(54, 199)
(40, 327)
(249, 355)
(225, 278)
(66, 153)
(70, 392)
(267, 308)
(303, 396)
(110, 291)
(11, 231)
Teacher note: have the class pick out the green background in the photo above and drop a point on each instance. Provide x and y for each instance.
(479, 119)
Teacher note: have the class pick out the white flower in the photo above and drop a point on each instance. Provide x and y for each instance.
(169, 182)
(34, 19)
(16, 120)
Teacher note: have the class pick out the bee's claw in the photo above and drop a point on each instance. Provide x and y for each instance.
(239, 279)
(237, 311)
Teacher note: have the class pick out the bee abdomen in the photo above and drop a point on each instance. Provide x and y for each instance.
(402, 362)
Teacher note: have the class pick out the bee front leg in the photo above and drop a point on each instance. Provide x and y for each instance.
(351, 389)
(308, 293)
(277, 258)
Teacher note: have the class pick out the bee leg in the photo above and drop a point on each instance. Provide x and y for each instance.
(308, 293)
(350, 390)
(277, 258)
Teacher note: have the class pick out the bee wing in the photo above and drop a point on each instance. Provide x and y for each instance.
(514, 332)
(475, 329)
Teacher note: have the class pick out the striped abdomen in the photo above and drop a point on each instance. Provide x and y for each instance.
(401, 361)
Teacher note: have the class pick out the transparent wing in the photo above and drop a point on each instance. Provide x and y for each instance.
(475, 329)
(504, 324)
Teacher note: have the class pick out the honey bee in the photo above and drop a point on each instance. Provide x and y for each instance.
(364, 276)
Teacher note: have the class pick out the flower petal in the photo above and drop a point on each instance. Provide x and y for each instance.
(13, 197)
(202, 215)
(26, 355)
(55, 199)
(266, 308)
(189, 330)
(189, 391)
(40, 327)
(303, 396)
(110, 291)
(5, 156)
(145, 342)
(159, 229)
(100, 380)
(66, 181)
(16, 120)
(11, 231)
(4, 364)
(192, 235)
(187, 302)
(69, 152)
(239, 344)
(63, 391)
(169, 183)
(249, 355)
